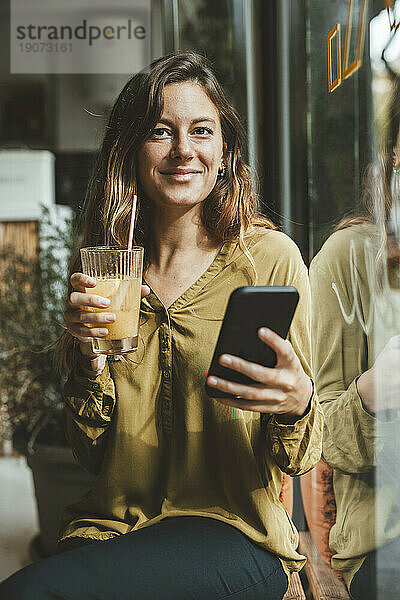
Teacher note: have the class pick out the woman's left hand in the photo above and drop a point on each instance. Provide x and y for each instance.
(283, 390)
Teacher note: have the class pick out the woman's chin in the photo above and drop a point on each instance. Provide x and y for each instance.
(181, 200)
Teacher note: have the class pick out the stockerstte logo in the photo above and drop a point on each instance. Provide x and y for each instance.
(83, 36)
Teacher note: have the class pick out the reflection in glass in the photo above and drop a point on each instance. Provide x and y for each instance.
(355, 35)
(356, 350)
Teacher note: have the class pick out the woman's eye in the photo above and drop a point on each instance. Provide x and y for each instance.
(203, 131)
(164, 133)
(160, 132)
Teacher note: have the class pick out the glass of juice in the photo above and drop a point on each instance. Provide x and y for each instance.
(119, 277)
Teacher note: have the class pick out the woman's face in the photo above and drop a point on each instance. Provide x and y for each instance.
(179, 162)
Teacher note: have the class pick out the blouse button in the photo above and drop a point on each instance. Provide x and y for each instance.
(166, 374)
(165, 344)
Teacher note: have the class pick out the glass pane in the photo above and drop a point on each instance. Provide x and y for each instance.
(353, 507)
(335, 161)
(214, 28)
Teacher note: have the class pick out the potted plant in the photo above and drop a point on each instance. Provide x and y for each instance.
(32, 301)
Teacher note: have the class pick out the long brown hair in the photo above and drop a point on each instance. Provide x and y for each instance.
(227, 212)
(377, 194)
(376, 198)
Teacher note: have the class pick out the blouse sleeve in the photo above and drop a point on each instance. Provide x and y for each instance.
(89, 404)
(340, 355)
(296, 448)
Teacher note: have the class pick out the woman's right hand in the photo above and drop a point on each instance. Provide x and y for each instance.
(85, 324)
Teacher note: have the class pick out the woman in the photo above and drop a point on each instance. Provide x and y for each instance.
(356, 324)
(194, 481)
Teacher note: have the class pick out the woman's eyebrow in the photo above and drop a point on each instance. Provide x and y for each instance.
(202, 119)
(192, 122)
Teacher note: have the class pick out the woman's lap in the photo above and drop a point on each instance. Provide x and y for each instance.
(184, 558)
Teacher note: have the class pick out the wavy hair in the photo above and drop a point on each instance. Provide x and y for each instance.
(378, 193)
(227, 212)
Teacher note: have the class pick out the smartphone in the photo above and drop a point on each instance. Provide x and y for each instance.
(250, 308)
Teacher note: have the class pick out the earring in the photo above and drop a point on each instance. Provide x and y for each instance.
(222, 170)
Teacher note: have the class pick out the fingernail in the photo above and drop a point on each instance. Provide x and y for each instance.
(146, 288)
(264, 331)
(226, 360)
(212, 381)
(103, 331)
(110, 318)
(91, 281)
(105, 302)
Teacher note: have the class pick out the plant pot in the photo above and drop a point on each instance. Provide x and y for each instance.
(58, 481)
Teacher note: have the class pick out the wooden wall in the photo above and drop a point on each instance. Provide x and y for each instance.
(23, 235)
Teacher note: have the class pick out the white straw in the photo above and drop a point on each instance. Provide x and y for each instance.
(132, 225)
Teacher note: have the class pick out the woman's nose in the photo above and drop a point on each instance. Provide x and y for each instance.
(182, 148)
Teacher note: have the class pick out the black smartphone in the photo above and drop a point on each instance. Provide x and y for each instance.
(250, 308)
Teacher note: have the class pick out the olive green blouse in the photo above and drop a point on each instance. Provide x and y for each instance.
(162, 448)
(351, 324)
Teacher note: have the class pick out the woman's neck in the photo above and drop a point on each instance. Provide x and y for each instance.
(177, 236)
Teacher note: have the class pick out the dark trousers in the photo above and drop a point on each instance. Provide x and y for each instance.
(379, 575)
(183, 558)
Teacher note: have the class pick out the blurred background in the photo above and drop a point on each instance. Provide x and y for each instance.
(308, 149)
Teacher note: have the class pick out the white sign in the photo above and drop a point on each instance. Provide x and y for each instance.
(80, 36)
(26, 183)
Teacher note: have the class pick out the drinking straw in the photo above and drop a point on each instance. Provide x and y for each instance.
(132, 225)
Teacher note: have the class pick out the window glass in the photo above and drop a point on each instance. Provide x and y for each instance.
(220, 30)
(353, 506)
(210, 27)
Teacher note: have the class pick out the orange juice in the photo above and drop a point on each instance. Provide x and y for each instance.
(124, 295)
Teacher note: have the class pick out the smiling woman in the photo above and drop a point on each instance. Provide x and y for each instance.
(186, 147)
(178, 168)
(186, 503)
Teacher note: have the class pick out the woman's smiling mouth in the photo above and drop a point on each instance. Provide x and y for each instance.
(181, 175)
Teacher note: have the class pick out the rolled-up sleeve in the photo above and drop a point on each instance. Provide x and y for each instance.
(296, 448)
(352, 436)
(89, 404)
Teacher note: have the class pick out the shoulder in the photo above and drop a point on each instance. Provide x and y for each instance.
(351, 244)
(276, 257)
(274, 245)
